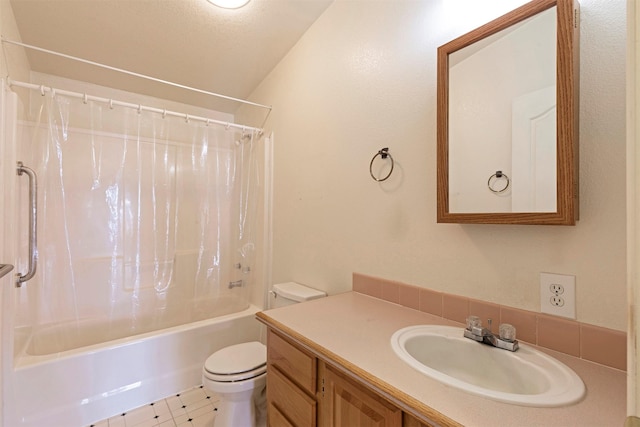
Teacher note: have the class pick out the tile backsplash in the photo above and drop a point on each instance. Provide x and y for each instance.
(596, 344)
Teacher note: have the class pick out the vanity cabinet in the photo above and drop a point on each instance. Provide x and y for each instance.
(291, 384)
(346, 403)
(305, 391)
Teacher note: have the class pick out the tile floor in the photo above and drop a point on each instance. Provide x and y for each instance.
(192, 408)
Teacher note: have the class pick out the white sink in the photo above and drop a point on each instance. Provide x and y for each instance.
(526, 377)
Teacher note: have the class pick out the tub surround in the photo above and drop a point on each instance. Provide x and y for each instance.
(362, 350)
(593, 343)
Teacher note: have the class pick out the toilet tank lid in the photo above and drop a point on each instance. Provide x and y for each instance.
(297, 292)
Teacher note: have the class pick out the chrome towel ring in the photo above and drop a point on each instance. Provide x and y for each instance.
(383, 153)
(499, 175)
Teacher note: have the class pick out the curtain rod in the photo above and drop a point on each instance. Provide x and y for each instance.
(131, 73)
(112, 102)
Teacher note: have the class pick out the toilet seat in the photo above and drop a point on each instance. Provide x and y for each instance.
(236, 377)
(237, 362)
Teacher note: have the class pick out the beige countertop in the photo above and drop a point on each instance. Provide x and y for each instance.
(354, 330)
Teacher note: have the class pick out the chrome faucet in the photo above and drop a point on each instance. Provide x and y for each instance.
(506, 339)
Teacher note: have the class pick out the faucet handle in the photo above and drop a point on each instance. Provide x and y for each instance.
(473, 322)
(507, 332)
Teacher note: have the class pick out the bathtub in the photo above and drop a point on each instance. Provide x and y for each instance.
(80, 386)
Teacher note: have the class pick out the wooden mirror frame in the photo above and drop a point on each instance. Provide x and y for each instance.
(567, 105)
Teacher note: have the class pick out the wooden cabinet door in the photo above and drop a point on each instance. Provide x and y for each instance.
(277, 418)
(291, 384)
(298, 365)
(345, 403)
(287, 402)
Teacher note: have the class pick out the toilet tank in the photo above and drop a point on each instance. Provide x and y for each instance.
(284, 294)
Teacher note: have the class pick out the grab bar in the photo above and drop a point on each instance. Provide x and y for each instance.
(33, 221)
(5, 269)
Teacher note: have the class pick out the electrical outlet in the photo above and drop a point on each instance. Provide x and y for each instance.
(556, 288)
(556, 301)
(558, 294)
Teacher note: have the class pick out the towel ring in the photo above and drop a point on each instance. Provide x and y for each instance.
(498, 175)
(383, 153)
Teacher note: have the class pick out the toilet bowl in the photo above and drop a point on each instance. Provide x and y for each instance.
(238, 373)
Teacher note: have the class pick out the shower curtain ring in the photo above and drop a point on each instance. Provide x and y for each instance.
(42, 90)
(139, 108)
(111, 104)
(164, 113)
(208, 121)
(85, 98)
(186, 118)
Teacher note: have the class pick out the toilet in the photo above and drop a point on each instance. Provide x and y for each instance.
(238, 373)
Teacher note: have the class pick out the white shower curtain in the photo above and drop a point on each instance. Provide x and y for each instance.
(144, 222)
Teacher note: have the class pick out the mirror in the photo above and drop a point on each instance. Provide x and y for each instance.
(508, 119)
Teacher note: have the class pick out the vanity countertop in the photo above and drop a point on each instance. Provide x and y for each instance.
(354, 331)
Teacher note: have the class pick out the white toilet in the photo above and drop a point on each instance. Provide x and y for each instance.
(238, 373)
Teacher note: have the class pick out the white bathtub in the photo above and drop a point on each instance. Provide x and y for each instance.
(85, 385)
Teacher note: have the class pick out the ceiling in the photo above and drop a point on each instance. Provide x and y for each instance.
(190, 42)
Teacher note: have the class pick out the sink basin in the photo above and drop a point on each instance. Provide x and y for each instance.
(526, 377)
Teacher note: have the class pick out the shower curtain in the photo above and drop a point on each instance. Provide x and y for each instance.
(145, 222)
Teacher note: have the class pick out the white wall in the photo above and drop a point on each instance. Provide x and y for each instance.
(364, 77)
(13, 59)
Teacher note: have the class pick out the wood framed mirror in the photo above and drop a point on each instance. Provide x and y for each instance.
(507, 117)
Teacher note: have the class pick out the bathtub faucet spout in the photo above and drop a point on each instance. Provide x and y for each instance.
(236, 284)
